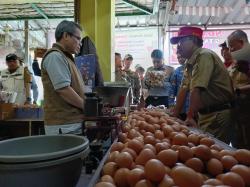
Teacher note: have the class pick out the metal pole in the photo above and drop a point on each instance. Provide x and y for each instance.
(26, 43)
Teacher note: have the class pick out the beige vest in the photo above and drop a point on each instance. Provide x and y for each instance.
(14, 82)
(56, 110)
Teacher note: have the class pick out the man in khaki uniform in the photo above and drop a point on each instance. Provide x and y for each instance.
(131, 77)
(239, 46)
(211, 91)
(62, 82)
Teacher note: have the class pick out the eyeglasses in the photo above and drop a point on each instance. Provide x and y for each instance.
(76, 37)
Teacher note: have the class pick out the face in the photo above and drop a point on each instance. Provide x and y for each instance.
(181, 60)
(118, 62)
(72, 42)
(158, 63)
(185, 47)
(226, 54)
(12, 64)
(140, 73)
(127, 63)
(235, 44)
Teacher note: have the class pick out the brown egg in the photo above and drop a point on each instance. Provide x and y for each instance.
(122, 137)
(161, 146)
(193, 138)
(167, 130)
(215, 154)
(185, 177)
(126, 128)
(144, 156)
(213, 182)
(149, 146)
(233, 180)
(168, 157)
(243, 171)
(138, 166)
(107, 178)
(219, 177)
(203, 152)
(166, 140)
(175, 147)
(207, 185)
(214, 167)
(148, 134)
(135, 175)
(113, 156)
(226, 152)
(124, 160)
(186, 132)
(117, 146)
(110, 168)
(167, 170)
(180, 139)
(228, 162)
(149, 140)
(196, 164)
(190, 145)
(104, 184)
(149, 128)
(172, 135)
(132, 134)
(157, 127)
(166, 182)
(120, 177)
(177, 127)
(144, 183)
(243, 156)
(216, 147)
(130, 151)
(207, 141)
(136, 145)
(185, 153)
(154, 170)
(159, 134)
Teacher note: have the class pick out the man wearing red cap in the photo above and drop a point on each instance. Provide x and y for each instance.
(211, 90)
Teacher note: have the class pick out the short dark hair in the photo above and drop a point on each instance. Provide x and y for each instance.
(239, 34)
(66, 26)
(118, 54)
(197, 41)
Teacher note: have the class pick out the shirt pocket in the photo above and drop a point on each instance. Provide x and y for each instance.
(19, 83)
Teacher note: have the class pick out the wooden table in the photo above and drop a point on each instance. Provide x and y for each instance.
(12, 128)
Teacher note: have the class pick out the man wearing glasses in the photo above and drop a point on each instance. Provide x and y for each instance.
(157, 81)
(16, 79)
(62, 82)
(211, 90)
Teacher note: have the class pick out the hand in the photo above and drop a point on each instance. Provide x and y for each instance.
(34, 103)
(27, 103)
(190, 122)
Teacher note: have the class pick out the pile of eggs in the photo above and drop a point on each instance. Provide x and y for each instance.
(154, 150)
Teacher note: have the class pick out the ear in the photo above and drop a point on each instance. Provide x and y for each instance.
(66, 36)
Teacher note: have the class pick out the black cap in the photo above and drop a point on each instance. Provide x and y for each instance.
(224, 44)
(128, 57)
(11, 56)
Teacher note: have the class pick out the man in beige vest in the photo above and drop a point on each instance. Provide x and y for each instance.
(62, 82)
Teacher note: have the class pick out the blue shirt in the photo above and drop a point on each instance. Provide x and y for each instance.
(176, 80)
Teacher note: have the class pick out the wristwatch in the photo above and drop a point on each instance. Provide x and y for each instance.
(28, 99)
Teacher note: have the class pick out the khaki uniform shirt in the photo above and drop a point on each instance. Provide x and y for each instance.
(205, 70)
(239, 79)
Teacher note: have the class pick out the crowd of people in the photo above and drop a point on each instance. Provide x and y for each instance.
(203, 91)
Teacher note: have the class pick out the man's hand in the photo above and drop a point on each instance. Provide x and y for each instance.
(190, 122)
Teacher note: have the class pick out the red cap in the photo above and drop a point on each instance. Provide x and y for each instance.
(187, 31)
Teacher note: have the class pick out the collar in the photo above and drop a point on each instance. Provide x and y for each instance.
(61, 48)
(191, 60)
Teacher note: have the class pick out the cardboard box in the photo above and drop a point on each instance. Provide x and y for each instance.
(7, 111)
